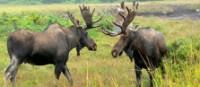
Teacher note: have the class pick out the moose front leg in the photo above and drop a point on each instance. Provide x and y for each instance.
(78, 51)
(163, 70)
(67, 74)
(151, 74)
(58, 69)
(138, 73)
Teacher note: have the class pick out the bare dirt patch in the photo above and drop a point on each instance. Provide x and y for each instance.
(178, 12)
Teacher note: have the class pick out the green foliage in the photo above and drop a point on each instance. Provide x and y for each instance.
(31, 21)
(99, 69)
(106, 23)
(181, 49)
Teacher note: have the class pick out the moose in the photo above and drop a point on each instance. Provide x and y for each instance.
(52, 46)
(144, 45)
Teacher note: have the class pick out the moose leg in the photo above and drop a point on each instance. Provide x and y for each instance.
(13, 77)
(163, 70)
(58, 70)
(138, 73)
(7, 75)
(11, 71)
(67, 74)
(78, 50)
(151, 73)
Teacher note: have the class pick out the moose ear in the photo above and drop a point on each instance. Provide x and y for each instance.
(122, 5)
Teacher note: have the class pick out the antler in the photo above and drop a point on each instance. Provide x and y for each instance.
(122, 5)
(127, 20)
(75, 22)
(87, 16)
(135, 5)
(112, 34)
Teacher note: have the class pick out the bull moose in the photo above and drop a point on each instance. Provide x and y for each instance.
(144, 45)
(52, 46)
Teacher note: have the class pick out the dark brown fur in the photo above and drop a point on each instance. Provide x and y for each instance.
(144, 45)
(52, 46)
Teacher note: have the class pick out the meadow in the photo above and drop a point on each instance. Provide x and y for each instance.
(100, 69)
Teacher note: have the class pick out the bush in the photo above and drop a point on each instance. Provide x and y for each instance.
(183, 50)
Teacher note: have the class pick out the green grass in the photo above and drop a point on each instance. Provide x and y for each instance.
(99, 69)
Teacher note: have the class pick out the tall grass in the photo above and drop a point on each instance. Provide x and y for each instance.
(99, 69)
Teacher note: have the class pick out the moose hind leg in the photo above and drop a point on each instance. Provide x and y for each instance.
(11, 71)
(7, 75)
(138, 73)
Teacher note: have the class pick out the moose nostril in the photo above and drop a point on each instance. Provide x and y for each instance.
(114, 53)
(94, 47)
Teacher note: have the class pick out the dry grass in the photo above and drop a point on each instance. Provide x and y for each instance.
(99, 69)
(144, 6)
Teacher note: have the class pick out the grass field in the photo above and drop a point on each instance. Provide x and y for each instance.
(99, 69)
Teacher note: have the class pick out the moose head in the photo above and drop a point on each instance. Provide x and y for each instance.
(125, 32)
(143, 44)
(90, 24)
